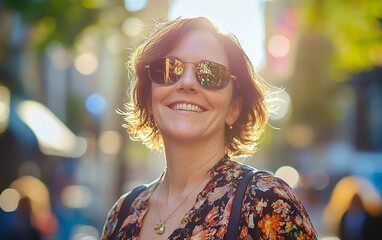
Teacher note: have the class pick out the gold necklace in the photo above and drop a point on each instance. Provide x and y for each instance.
(160, 227)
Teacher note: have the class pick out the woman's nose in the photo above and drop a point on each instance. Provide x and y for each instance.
(188, 81)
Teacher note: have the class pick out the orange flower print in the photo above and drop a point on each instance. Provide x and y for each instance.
(281, 207)
(227, 211)
(244, 233)
(289, 227)
(222, 231)
(201, 233)
(302, 236)
(260, 205)
(212, 216)
(270, 225)
(208, 188)
(298, 220)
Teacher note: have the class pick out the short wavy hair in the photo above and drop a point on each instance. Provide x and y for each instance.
(242, 139)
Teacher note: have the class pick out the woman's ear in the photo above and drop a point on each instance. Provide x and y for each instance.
(234, 111)
(149, 105)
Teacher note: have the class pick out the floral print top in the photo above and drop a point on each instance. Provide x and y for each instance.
(270, 209)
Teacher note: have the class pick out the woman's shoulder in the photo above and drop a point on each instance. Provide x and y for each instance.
(135, 196)
(271, 206)
(268, 186)
(112, 217)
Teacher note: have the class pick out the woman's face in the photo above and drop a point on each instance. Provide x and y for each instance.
(210, 109)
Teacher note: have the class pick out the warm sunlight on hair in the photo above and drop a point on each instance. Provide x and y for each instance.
(246, 13)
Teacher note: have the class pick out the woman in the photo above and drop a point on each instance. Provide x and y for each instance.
(197, 97)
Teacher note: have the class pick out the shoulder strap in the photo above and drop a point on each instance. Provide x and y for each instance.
(123, 212)
(234, 219)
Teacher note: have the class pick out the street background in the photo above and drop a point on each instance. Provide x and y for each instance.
(65, 159)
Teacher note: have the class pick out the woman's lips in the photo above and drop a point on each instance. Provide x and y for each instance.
(187, 107)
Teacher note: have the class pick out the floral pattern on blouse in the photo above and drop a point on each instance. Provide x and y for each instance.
(270, 209)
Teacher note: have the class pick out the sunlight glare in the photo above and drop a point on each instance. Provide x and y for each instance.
(54, 138)
(244, 18)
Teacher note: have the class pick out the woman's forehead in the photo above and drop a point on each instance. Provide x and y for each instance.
(199, 45)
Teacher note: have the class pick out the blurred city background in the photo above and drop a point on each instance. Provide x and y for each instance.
(65, 159)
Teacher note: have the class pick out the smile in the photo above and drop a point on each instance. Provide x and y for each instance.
(187, 107)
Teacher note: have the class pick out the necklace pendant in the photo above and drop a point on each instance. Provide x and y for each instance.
(160, 228)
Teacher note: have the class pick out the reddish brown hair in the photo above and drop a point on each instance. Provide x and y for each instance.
(245, 132)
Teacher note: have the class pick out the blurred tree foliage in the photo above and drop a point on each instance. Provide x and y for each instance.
(56, 20)
(354, 29)
(337, 39)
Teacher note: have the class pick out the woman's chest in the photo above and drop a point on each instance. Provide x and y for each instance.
(205, 218)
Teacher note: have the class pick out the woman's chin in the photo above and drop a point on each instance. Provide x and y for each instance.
(184, 133)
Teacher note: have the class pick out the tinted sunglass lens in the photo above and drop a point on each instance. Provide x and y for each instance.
(212, 76)
(165, 71)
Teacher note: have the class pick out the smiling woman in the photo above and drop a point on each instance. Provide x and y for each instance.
(247, 88)
(196, 97)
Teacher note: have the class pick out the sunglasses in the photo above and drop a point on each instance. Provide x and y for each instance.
(210, 75)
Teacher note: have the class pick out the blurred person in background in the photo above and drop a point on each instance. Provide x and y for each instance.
(21, 227)
(353, 220)
(197, 97)
(357, 224)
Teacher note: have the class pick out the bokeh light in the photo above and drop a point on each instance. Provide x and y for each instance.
(53, 137)
(300, 136)
(47, 223)
(95, 103)
(76, 196)
(318, 179)
(132, 26)
(110, 142)
(36, 191)
(60, 58)
(278, 45)
(114, 43)
(92, 3)
(86, 63)
(84, 232)
(38, 194)
(135, 5)
(45, 27)
(330, 238)
(29, 168)
(289, 175)
(9, 200)
(5, 98)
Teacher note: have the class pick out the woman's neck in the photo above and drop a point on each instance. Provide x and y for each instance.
(188, 163)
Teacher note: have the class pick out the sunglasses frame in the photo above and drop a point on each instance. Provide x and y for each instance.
(231, 76)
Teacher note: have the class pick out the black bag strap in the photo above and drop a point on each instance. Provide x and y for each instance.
(234, 218)
(123, 212)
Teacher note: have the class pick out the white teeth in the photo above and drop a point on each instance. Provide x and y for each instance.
(187, 107)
